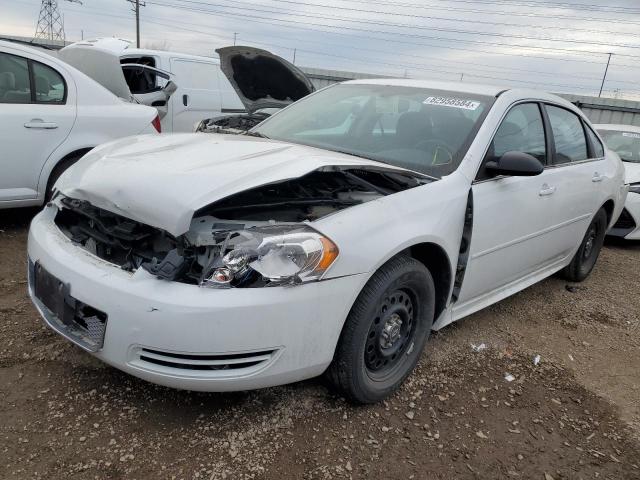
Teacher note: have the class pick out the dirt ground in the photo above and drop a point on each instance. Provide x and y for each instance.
(575, 415)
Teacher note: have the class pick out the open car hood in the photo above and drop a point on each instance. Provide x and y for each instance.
(262, 79)
(163, 180)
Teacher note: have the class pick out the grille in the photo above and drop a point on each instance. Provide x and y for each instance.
(203, 363)
(625, 221)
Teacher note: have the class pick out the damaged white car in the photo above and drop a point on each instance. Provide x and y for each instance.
(625, 141)
(332, 239)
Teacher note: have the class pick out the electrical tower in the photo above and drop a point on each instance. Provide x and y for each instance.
(50, 22)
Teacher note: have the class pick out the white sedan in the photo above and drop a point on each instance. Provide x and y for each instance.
(332, 238)
(625, 141)
(52, 115)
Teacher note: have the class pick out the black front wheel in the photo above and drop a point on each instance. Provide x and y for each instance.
(585, 258)
(385, 332)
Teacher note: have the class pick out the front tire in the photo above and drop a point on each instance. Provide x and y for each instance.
(585, 258)
(385, 332)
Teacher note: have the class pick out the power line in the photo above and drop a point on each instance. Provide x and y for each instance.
(491, 12)
(459, 20)
(426, 57)
(419, 27)
(418, 67)
(557, 5)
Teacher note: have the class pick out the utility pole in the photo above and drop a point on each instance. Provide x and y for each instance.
(235, 36)
(604, 77)
(136, 4)
(294, 55)
(461, 76)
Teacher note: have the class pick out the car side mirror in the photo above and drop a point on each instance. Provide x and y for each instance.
(517, 164)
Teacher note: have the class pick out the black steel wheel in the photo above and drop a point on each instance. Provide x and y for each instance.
(385, 332)
(585, 258)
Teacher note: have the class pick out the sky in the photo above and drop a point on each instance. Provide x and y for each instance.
(559, 46)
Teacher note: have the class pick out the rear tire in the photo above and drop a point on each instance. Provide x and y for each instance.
(585, 258)
(385, 332)
(58, 170)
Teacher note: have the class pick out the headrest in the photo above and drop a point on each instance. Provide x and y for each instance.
(414, 126)
(42, 85)
(7, 81)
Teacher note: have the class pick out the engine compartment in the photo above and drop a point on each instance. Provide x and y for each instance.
(227, 226)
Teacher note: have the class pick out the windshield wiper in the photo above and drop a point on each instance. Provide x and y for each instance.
(256, 134)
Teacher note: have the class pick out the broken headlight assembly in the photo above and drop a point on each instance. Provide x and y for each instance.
(267, 255)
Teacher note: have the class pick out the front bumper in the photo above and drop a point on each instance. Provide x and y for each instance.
(628, 224)
(193, 338)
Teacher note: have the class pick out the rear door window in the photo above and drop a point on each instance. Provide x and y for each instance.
(596, 145)
(568, 135)
(49, 84)
(15, 84)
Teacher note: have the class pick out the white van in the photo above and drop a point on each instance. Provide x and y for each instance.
(184, 88)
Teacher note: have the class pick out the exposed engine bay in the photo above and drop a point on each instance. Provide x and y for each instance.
(254, 238)
(234, 124)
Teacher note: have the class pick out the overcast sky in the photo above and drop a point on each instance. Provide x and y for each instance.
(559, 46)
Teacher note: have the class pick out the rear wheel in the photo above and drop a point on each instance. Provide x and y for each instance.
(587, 254)
(385, 332)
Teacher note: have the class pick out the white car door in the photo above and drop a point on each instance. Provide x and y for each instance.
(577, 169)
(513, 218)
(198, 94)
(37, 107)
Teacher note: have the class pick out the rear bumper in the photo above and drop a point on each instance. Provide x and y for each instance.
(188, 337)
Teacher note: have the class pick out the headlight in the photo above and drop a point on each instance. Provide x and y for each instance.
(280, 254)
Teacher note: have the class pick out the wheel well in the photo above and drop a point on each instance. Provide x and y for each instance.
(609, 207)
(436, 260)
(76, 154)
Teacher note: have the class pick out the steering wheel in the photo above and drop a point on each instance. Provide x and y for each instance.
(440, 152)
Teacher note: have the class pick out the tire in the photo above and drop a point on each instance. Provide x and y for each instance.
(58, 170)
(375, 352)
(585, 258)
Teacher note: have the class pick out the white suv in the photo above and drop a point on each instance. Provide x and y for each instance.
(51, 116)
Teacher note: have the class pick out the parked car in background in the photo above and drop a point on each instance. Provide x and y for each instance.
(51, 115)
(333, 238)
(625, 141)
(263, 81)
(198, 88)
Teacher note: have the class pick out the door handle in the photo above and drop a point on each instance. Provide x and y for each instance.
(185, 100)
(597, 177)
(39, 123)
(546, 190)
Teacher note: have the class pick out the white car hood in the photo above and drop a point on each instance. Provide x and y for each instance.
(632, 172)
(163, 180)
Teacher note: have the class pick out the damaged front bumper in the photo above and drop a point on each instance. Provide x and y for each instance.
(187, 337)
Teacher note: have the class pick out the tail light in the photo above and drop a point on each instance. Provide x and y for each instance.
(156, 124)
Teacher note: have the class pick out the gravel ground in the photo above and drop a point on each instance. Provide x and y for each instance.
(575, 415)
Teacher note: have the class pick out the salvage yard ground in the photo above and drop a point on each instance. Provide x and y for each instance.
(575, 415)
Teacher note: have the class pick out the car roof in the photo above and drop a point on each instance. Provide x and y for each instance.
(469, 88)
(619, 127)
(462, 87)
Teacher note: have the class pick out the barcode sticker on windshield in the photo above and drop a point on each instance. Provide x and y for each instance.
(632, 135)
(452, 102)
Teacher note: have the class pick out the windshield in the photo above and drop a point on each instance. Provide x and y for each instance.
(625, 144)
(424, 130)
